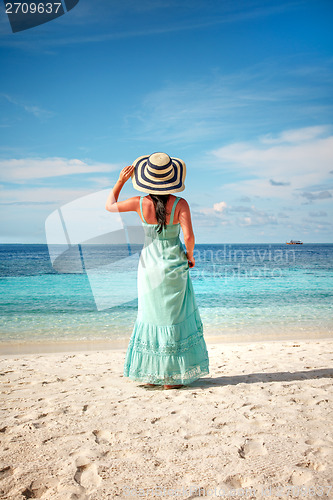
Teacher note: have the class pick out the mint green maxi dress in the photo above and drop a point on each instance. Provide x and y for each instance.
(167, 346)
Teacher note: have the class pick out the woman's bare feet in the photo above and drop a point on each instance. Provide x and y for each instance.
(173, 386)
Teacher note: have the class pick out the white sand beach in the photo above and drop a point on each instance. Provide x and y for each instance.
(259, 426)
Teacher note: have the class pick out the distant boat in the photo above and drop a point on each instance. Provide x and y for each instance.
(294, 242)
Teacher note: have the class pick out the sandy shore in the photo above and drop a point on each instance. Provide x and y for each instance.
(259, 426)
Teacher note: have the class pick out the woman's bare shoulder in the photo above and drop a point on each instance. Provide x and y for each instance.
(183, 212)
(183, 204)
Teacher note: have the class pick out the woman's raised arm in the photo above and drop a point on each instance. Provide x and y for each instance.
(129, 205)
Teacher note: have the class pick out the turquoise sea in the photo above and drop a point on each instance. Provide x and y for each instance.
(267, 290)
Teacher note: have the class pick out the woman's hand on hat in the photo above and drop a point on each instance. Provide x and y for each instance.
(126, 173)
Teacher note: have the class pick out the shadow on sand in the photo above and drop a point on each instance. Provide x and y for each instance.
(253, 378)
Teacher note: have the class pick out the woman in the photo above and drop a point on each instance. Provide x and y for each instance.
(167, 346)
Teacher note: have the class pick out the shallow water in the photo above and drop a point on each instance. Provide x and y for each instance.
(241, 290)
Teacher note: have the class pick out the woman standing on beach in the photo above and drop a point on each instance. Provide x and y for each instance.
(167, 346)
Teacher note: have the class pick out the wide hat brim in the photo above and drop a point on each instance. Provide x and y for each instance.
(159, 180)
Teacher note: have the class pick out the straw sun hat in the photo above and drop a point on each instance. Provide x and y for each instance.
(159, 174)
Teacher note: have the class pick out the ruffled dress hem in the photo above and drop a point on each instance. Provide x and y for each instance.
(167, 355)
(191, 375)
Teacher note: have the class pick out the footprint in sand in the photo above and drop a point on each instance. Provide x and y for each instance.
(300, 477)
(103, 437)
(6, 472)
(314, 442)
(324, 451)
(311, 464)
(38, 487)
(219, 422)
(86, 474)
(319, 448)
(252, 447)
(236, 481)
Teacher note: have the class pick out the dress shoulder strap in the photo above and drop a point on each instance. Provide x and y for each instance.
(173, 210)
(141, 198)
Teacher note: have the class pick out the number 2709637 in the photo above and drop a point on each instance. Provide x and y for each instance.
(32, 8)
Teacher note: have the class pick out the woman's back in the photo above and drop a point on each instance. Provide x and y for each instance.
(149, 214)
(181, 215)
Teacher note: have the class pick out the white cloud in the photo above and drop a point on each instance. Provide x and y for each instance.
(247, 221)
(257, 220)
(207, 217)
(253, 216)
(220, 207)
(101, 182)
(296, 136)
(40, 196)
(233, 216)
(37, 111)
(20, 170)
(302, 158)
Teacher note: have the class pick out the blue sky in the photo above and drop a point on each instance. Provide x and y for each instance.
(240, 90)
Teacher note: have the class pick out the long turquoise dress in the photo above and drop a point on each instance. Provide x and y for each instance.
(167, 346)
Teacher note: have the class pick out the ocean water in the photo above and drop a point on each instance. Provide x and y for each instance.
(241, 290)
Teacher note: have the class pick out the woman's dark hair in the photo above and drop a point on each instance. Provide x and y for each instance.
(160, 201)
